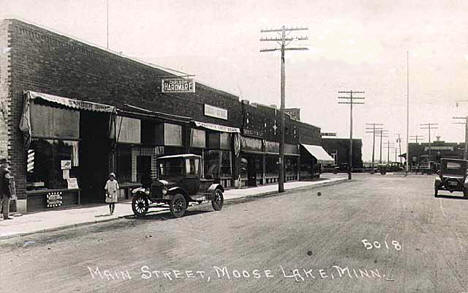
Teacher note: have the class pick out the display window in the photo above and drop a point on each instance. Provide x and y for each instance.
(50, 162)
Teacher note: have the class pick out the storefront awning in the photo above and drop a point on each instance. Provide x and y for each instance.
(217, 127)
(319, 153)
(71, 103)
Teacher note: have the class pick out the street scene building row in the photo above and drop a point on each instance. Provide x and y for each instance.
(74, 112)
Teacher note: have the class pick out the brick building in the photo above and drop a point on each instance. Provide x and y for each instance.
(85, 111)
(338, 148)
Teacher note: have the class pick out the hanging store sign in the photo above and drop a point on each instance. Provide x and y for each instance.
(178, 85)
(216, 112)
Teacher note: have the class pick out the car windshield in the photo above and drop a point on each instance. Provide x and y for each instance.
(455, 168)
(171, 167)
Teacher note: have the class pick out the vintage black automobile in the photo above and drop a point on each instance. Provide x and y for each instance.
(178, 183)
(452, 176)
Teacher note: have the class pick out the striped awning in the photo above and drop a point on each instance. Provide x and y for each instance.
(71, 103)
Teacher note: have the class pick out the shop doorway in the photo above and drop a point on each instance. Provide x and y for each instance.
(94, 153)
(251, 171)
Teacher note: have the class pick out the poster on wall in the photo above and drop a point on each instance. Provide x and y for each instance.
(72, 183)
(65, 164)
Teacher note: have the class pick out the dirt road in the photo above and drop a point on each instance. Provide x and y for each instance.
(374, 234)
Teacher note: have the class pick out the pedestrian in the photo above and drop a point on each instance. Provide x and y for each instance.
(112, 189)
(5, 193)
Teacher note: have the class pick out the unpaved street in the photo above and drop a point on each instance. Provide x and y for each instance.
(374, 234)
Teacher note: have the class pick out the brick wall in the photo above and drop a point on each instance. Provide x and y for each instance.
(4, 86)
(260, 121)
(52, 63)
(340, 146)
(308, 134)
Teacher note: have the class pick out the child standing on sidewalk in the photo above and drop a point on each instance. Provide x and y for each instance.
(112, 188)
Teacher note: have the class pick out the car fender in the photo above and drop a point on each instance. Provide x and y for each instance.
(211, 190)
(465, 184)
(177, 189)
(139, 190)
(438, 182)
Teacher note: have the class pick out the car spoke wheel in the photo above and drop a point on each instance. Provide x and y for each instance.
(218, 201)
(140, 205)
(178, 206)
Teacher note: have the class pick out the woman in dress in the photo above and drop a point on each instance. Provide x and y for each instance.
(112, 189)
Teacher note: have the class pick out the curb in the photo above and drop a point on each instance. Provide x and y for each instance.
(249, 197)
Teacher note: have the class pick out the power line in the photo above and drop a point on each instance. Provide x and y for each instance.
(350, 100)
(373, 131)
(429, 126)
(416, 137)
(283, 41)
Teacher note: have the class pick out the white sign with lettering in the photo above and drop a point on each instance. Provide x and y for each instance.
(216, 112)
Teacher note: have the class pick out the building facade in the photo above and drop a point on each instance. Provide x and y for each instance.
(74, 112)
(338, 148)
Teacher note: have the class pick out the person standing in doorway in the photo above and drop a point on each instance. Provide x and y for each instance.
(5, 188)
(112, 189)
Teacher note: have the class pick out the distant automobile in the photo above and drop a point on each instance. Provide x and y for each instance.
(452, 177)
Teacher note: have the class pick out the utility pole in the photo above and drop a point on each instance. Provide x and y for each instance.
(415, 137)
(465, 153)
(373, 130)
(283, 40)
(429, 126)
(388, 151)
(398, 140)
(383, 133)
(350, 101)
(107, 24)
(407, 113)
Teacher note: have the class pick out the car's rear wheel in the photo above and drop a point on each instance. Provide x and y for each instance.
(140, 205)
(465, 192)
(178, 205)
(218, 201)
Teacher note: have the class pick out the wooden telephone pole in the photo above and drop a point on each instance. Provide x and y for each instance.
(283, 40)
(350, 100)
(429, 126)
(465, 153)
(375, 127)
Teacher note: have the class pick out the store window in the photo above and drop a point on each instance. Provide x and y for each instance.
(45, 158)
(271, 166)
(218, 164)
(124, 163)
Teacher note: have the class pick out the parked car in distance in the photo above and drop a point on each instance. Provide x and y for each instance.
(178, 183)
(452, 176)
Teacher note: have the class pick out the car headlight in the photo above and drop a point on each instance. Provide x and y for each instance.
(164, 190)
(147, 191)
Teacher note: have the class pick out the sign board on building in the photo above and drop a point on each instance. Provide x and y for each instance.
(328, 134)
(54, 199)
(439, 148)
(294, 113)
(216, 112)
(178, 85)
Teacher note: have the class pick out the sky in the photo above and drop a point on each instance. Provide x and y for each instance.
(353, 45)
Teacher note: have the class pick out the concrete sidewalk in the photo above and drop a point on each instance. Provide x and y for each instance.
(66, 218)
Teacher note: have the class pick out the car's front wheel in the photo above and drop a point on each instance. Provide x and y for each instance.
(218, 201)
(140, 205)
(436, 192)
(178, 205)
